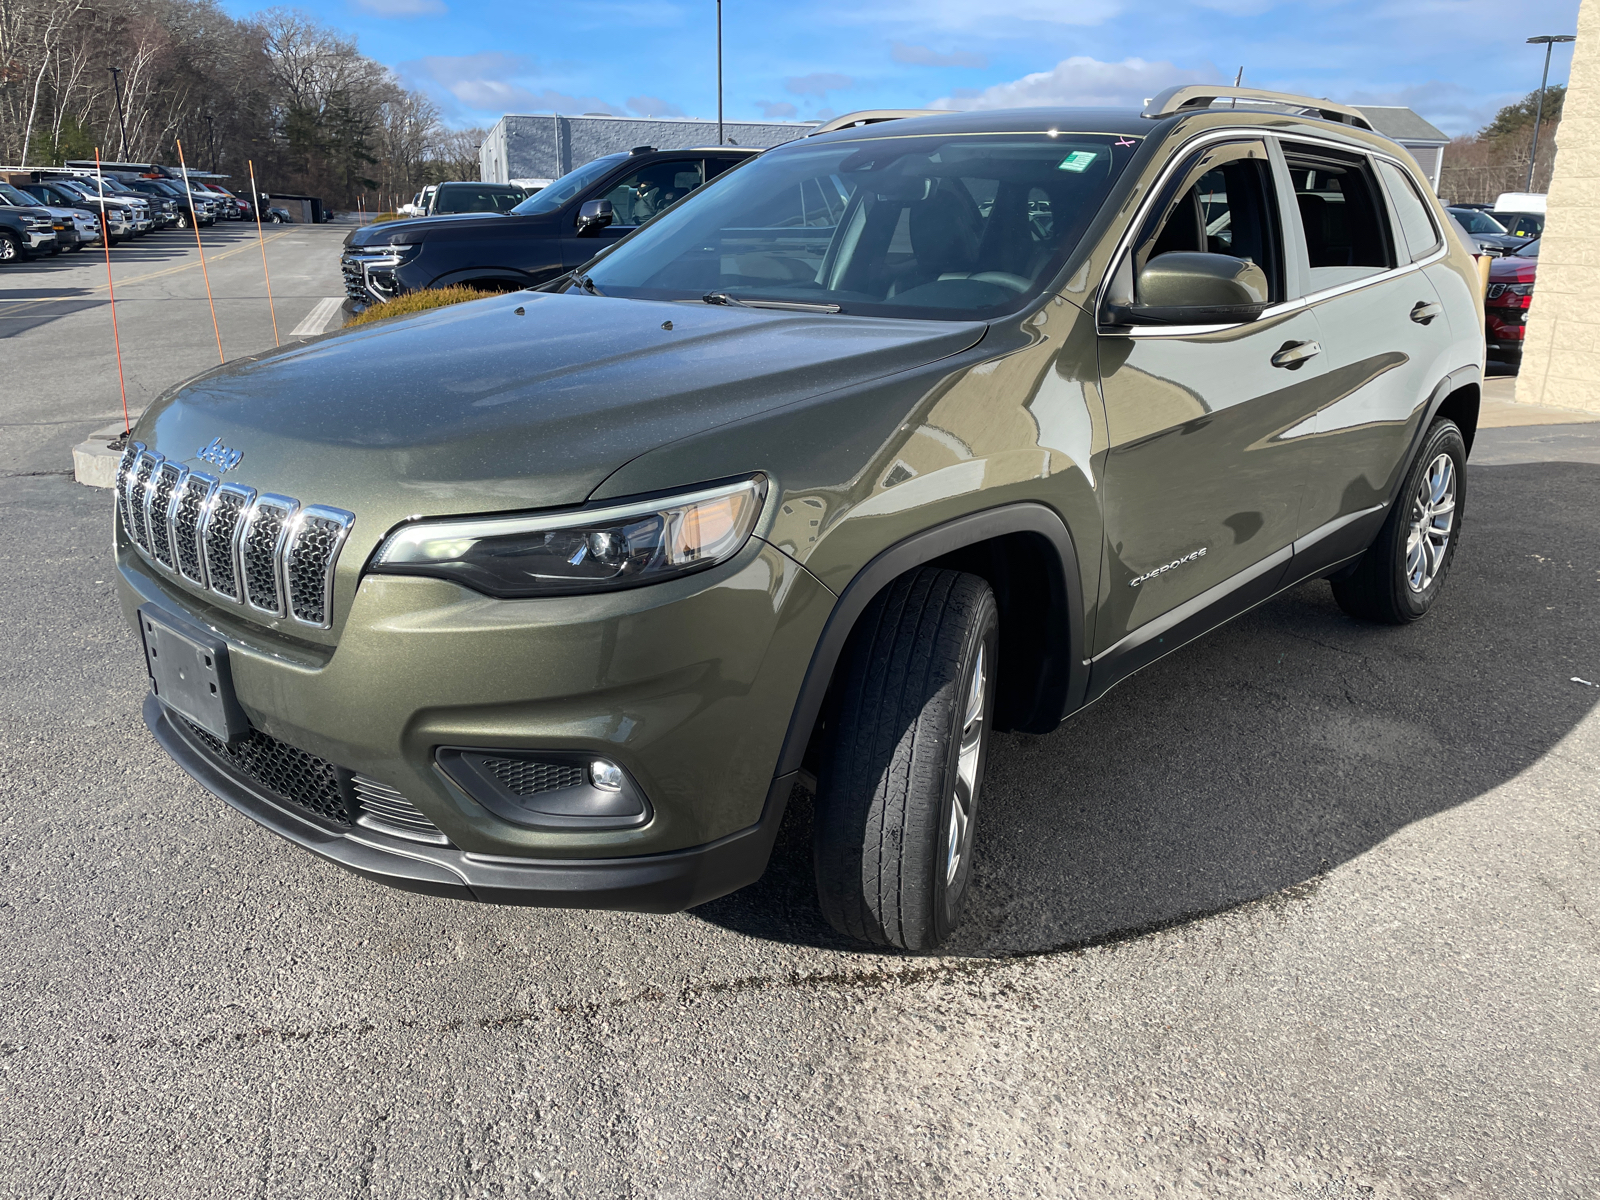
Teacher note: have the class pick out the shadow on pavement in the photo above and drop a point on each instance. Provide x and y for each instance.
(1277, 748)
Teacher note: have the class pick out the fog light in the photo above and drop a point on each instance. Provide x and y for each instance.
(606, 774)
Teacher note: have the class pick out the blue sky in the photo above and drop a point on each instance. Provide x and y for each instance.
(1454, 61)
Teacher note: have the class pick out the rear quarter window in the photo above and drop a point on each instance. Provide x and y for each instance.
(1411, 213)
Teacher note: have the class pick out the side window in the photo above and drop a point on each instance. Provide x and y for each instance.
(1345, 229)
(1223, 204)
(1410, 211)
(650, 189)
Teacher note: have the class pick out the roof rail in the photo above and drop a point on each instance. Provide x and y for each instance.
(1194, 97)
(871, 116)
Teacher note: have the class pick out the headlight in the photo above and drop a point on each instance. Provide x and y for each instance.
(596, 550)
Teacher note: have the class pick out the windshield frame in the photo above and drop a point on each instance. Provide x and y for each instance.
(1086, 228)
(579, 180)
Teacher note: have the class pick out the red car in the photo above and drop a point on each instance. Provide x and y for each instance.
(1507, 300)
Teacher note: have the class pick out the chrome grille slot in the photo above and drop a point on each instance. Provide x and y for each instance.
(188, 511)
(385, 809)
(124, 484)
(167, 479)
(315, 539)
(138, 497)
(260, 544)
(219, 538)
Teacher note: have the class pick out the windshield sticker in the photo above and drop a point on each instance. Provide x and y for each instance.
(1125, 142)
(1078, 160)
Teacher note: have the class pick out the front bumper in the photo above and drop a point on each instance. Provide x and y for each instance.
(688, 684)
(40, 239)
(655, 883)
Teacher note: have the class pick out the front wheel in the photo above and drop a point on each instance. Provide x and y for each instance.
(10, 251)
(902, 771)
(1400, 576)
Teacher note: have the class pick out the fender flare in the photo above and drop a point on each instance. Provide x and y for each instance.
(1453, 382)
(1067, 676)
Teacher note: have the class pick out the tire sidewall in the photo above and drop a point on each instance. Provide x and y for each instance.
(1443, 438)
(9, 250)
(948, 899)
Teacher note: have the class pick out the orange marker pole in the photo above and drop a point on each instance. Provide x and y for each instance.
(194, 220)
(255, 205)
(116, 338)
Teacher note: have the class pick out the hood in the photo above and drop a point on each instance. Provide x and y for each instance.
(1512, 269)
(417, 228)
(475, 408)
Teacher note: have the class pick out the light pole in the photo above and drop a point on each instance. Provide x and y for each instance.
(719, 73)
(116, 85)
(1548, 42)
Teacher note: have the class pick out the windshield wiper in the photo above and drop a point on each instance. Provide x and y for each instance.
(587, 284)
(787, 305)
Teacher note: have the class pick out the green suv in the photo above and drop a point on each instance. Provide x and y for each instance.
(886, 439)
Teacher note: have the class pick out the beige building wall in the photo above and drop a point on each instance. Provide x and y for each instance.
(1561, 351)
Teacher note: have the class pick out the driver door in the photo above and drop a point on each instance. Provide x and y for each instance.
(1208, 425)
(635, 198)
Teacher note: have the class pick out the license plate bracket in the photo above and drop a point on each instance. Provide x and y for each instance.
(190, 673)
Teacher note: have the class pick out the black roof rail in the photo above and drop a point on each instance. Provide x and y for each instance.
(1195, 97)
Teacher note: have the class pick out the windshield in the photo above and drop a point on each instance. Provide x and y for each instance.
(1531, 250)
(1522, 224)
(1477, 221)
(553, 196)
(12, 196)
(477, 199)
(944, 226)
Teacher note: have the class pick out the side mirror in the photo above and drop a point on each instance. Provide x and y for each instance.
(594, 216)
(1184, 288)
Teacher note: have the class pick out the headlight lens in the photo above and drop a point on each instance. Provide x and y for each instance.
(597, 550)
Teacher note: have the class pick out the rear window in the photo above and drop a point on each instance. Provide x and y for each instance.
(477, 199)
(1346, 232)
(949, 227)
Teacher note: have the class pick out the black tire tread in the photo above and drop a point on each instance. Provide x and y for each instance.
(889, 748)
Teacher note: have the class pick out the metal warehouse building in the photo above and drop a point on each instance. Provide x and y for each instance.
(533, 150)
(1411, 130)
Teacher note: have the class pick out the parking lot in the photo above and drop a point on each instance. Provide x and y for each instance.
(1309, 908)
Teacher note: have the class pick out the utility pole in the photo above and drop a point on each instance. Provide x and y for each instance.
(1548, 42)
(719, 73)
(116, 85)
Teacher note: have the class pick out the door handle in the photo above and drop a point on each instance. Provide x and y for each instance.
(1293, 355)
(1424, 311)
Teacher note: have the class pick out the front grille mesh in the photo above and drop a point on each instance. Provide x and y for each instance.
(193, 527)
(137, 528)
(166, 479)
(305, 565)
(226, 511)
(302, 778)
(258, 555)
(186, 527)
(354, 285)
(526, 777)
(385, 808)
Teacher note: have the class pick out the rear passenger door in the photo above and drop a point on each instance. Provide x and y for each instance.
(1385, 338)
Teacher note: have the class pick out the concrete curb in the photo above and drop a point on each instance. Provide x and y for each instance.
(94, 462)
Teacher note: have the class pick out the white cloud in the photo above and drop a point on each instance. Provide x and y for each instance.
(818, 83)
(401, 8)
(921, 56)
(965, 15)
(1083, 82)
(776, 109)
(1456, 110)
(496, 82)
(653, 106)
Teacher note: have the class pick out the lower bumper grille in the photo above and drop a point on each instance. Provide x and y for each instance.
(354, 285)
(331, 794)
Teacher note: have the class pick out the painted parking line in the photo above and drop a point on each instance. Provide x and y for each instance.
(318, 318)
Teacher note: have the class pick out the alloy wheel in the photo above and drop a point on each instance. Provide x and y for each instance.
(1433, 516)
(964, 792)
(8, 249)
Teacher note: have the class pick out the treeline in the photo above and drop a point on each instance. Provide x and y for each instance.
(315, 115)
(1479, 167)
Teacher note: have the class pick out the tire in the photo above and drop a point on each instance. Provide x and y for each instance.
(902, 770)
(1400, 576)
(10, 251)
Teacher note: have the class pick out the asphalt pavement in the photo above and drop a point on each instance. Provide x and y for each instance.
(1308, 909)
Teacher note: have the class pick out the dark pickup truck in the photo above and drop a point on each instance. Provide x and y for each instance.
(544, 236)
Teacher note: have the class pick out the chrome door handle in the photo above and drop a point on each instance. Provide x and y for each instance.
(1424, 311)
(1293, 355)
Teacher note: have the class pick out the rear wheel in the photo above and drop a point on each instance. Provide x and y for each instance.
(1401, 574)
(902, 770)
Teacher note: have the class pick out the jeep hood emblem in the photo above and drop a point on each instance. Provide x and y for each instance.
(219, 455)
